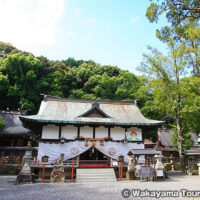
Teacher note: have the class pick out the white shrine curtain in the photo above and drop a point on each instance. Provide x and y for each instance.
(115, 149)
(72, 149)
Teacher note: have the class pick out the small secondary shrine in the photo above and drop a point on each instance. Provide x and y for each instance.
(14, 137)
(88, 130)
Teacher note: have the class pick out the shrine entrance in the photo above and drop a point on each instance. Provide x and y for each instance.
(93, 158)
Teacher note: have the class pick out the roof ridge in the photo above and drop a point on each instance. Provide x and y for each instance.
(55, 98)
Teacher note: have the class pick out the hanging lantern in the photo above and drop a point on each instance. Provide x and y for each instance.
(93, 144)
(101, 143)
(86, 144)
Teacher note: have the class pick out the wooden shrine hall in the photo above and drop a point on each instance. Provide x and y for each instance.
(88, 130)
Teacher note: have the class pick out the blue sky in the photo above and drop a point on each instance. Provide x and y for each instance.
(109, 32)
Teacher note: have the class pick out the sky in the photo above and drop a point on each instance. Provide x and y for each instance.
(109, 32)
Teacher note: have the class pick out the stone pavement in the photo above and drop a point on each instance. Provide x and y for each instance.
(90, 191)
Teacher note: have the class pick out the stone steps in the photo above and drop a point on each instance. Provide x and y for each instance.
(95, 175)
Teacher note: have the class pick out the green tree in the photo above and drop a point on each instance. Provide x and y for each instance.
(169, 92)
(176, 11)
(6, 48)
(183, 17)
(19, 76)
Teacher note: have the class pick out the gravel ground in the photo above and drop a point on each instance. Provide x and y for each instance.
(90, 191)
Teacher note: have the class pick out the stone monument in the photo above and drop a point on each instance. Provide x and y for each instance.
(58, 174)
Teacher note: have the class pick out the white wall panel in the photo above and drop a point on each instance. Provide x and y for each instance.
(69, 132)
(101, 132)
(50, 132)
(86, 131)
(117, 133)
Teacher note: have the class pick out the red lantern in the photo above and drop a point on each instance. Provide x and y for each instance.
(93, 144)
(86, 144)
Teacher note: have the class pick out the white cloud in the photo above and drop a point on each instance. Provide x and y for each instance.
(89, 21)
(108, 28)
(134, 19)
(77, 11)
(70, 33)
(30, 22)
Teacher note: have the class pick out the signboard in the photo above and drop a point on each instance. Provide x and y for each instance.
(115, 163)
(45, 159)
(120, 158)
(159, 173)
(134, 135)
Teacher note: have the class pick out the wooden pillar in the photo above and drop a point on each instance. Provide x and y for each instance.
(60, 131)
(111, 162)
(93, 132)
(109, 132)
(12, 142)
(78, 132)
(77, 160)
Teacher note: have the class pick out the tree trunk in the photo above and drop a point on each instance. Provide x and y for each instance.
(178, 118)
(179, 141)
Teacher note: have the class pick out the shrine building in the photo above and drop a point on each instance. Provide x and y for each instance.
(88, 130)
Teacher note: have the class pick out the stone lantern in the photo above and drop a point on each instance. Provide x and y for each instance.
(25, 173)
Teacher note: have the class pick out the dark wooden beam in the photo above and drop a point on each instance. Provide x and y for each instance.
(79, 125)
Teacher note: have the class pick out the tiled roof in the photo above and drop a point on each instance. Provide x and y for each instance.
(68, 111)
(13, 125)
(144, 152)
(165, 136)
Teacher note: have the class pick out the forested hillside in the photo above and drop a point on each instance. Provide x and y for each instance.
(23, 77)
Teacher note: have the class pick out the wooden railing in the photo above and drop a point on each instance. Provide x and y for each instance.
(66, 163)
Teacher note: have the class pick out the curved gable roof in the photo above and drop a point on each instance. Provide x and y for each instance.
(95, 108)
